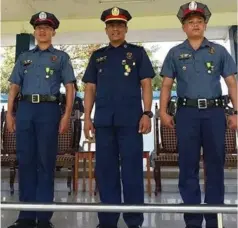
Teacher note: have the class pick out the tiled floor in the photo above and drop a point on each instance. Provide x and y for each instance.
(89, 220)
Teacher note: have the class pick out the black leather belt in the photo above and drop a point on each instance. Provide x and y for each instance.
(37, 98)
(201, 103)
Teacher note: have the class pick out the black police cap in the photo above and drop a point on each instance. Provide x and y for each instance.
(44, 18)
(193, 8)
(115, 14)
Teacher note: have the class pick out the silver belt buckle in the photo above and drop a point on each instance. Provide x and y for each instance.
(202, 103)
(35, 98)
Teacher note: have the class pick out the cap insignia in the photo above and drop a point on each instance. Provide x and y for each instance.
(115, 11)
(193, 5)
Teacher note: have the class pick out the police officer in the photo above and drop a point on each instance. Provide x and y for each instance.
(114, 78)
(197, 64)
(37, 75)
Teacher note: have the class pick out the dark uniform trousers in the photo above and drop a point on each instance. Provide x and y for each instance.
(119, 147)
(196, 128)
(37, 128)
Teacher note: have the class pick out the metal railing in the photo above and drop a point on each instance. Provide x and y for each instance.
(145, 208)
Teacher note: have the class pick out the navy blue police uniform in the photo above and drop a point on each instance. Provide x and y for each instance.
(117, 73)
(200, 118)
(39, 75)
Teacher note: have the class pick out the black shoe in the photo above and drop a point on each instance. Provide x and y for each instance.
(135, 226)
(213, 227)
(193, 227)
(24, 223)
(101, 226)
(44, 224)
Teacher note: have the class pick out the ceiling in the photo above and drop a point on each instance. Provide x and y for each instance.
(166, 35)
(154, 20)
(22, 10)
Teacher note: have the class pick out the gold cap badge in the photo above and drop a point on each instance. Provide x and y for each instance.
(115, 11)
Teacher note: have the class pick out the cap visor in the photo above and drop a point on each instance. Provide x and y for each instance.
(194, 14)
(110, 20)
(44, 23)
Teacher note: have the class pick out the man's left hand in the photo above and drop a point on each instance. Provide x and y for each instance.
(232, 122)
(145, 125)
(64, 124)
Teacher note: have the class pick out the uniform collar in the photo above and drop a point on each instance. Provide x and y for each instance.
(205, 43)
(50, 49)
(124, 45)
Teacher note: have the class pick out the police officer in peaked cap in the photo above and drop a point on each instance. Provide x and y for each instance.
(114, 78)
(37, 76)
(198, 64)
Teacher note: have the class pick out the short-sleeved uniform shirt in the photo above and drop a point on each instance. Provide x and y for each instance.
(117, 74)
(42, 72)
(198, 72)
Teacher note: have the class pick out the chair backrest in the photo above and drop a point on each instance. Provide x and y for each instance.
(88, 142)
(168, 139)
(167, 136)
(8, 140)
(66, 141)
(230, 141)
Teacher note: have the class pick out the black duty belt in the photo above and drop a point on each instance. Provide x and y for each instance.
(37, 98)
(201, 103)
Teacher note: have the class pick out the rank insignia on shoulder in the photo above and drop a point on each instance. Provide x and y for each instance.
(27, 62)
(53, 58)
(101, 59)
(184, 56)
(211, 50)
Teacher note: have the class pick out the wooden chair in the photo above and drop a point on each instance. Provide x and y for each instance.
(166, 151)
(86, 156)
(89, 156)
(8, 152)
(65, 157)
(167, 154)
(230, 152)
(66, 152)
(146, 155)
(231, 149)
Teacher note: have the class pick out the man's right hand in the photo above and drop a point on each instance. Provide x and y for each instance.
(89, 129)
(11, 122)
(167, 120)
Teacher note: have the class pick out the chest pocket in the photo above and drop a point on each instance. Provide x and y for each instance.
(28, 69)
(101, 69)
(188, 61)
(52, 72)
(212, 67)
(185, 67)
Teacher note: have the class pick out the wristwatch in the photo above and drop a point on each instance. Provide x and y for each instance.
(148, 113)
